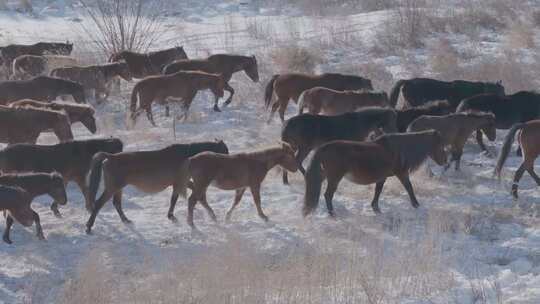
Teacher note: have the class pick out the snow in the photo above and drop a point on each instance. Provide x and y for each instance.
(489, 241)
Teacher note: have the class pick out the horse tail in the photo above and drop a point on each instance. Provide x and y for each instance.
(133, 104)
(314, 181)
(507, 145)
(269, 91)
(394, 93)
(301, 102)
(94, 176)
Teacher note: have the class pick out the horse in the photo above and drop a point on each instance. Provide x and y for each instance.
(306, 132)
(24, 125)
(71, 159)
(36, 184)
(408, 115)
(366, 163)
(76, 112)
(149, 171)
(12, 51)
(520, 107)
(528, 141)
(455, 129)
(291, 86)
(235, 172)
(180, 85)
(332, 102)
(41, 88)
(418, 91)
(142, 65)
(96, 78)
(17, 202)
(223, 64)
(28, 66)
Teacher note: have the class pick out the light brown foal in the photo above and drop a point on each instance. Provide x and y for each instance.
(235, 172)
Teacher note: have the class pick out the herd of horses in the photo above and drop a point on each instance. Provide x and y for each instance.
(353, 131)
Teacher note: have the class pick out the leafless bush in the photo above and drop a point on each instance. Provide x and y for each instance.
(443, 59)
(295, 58)
(116, 25)
(260, 28)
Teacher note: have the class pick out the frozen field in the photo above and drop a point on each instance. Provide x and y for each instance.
(469, 242)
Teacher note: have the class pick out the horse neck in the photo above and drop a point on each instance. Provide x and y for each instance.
(270, 157)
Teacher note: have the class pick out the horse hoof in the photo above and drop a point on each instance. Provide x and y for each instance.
(7, 240)
(41, 237)
(88, 231)
(265, 218)
(57, 214)
(126, 221)
(172, 218)
(216, 109)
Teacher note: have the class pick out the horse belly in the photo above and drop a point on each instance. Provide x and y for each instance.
(364, 178)
(151, 184)
(230, 182)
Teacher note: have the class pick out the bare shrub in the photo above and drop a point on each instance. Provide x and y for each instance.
(467, 20)
(380, 76)
(520, 34)
(260, 28)
(116, 25)
(443, 59)
(295, 58)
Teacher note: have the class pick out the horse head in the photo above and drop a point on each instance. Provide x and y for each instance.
(251, 68)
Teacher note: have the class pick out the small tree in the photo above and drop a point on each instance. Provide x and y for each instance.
(117, 25)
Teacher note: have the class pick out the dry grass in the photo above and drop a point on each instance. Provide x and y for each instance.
(443, 59)
(520, 34)
(295, 58)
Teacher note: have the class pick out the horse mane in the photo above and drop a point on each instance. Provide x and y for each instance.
(432, 106)
(475, 114)
(29, 109)
(51, 175)
(79, 108)
(413, 148)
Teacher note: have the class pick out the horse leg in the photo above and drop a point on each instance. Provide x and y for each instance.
(204, 203)
(518, 151)
(187, 104)
(39, 230)
(534, 175)
(300, 156)
(378, 190)
(84, 190)
(192, 201)
(9, 223)
(117, 202)
(282, 109)
(480, 141)
(231, 91)
(237, 198)
(275, 106)
(517, 177)
(150, 115)
(256, 193)
(406, 182)
(329, 195)
(170, 213)
(105, 196)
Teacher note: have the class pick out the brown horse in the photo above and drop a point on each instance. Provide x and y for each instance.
(332, 102)
(17, 202)
(35, 184)
(24, 125)
(142, 65)
(42, 88)
(408, 115)
(235, 172)
(71, 159)
(12, 51)
(76, 112)
(28, 66)
(96, 78)
(366, 163)
(528, 141)
(223, 64)
(291, 86)
(180, 85)
(306, 132)
(149, 171)
(455, 129)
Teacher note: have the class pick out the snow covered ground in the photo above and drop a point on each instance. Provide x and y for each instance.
(469, 241)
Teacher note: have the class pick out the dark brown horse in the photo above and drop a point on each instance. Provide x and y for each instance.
(520, 107)
(455, 129)
(41, 88)
(17, 203)
(149, 171)
(142, 65)
(35, 184)
(418, 91)
(180, 85)
(12, 51)
(96, 78)
(223, 64)
(528, 140)
(366, 163)
(76, 112)
(235, 172)
(28, 66)
(408, 115)
(25, 124)
(291, 86)
(71, 159)
(306, 132)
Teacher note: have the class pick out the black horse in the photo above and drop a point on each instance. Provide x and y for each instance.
(520, 107)
(418, 91)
